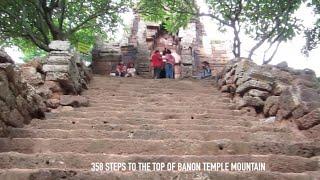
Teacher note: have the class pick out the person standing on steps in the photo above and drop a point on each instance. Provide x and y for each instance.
(177, 65)
(163, 68)
(170, 61)
(156, 63)
(121, 70)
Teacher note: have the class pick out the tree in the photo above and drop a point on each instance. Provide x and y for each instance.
(264, 21)
(41, 21)
(271, 22)
(312, 34)
(175, 13)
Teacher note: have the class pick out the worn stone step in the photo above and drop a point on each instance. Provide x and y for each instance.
(74, 174)
(276, 163)
(151, 84)
(181, 127)
(158, 97)
(155, 103)
(167, 100)
(107, 87)
(158, 110)
(158, 85)
(151, 115)
(153, 134)
(148, 112)
(158, 147)
(145, 92)
(139, 121)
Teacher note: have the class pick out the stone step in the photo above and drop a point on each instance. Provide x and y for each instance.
(151, 115)
(157, 110)
(160, 84)
(172, 127)
(275, 163)
(159, 97)
(75, 174)
(138, 121)
(154, 103)
(158, 147)
(113, 94)
(153, 134)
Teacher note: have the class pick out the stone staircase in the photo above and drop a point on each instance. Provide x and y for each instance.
(143, 52)
(144, 120)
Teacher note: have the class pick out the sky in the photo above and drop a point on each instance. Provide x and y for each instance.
(289, 51)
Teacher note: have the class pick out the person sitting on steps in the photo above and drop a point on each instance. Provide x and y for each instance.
(121, 70)
(131, 71)
(205, 70)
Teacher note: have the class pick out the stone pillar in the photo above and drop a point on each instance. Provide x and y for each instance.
(219, 58)
(188, 38)
(65, 67)
(105, 57)
(128, 54)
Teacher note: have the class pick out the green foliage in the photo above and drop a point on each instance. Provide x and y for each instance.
(173, 13)
(37, 22)
(312, 35)
(32, 53)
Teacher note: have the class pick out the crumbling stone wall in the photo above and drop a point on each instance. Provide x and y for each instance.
(61, 73)
(274, 91)
(105, 57)
(28, 91)
(19, 102)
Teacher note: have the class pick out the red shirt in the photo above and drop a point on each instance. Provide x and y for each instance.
(156, 60)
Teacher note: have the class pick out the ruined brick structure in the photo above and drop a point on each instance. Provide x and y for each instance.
(146, 37)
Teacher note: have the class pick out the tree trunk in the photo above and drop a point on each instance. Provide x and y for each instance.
(236, 43)
(255, 48)
(273, 54)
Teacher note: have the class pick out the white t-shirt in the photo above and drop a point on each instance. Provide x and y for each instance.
(176, 57)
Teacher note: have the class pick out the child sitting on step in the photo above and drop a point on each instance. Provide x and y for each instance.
(131, 71)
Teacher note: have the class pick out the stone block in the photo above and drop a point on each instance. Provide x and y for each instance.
(310, 120)
(56, 68)
(58, 60)
(75, 101)
(253, 84)
(59, 45)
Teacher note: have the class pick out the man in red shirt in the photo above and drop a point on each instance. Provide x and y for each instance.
(156, 63)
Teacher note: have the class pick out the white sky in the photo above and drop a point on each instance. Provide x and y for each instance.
(289, 52)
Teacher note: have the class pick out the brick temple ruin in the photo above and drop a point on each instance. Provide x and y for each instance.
(146, 37)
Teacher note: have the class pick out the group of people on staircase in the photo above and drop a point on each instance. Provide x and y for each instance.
(169, 64)
(166, 63)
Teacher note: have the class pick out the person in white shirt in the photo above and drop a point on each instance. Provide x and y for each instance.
(131, 71)
(177, 65)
